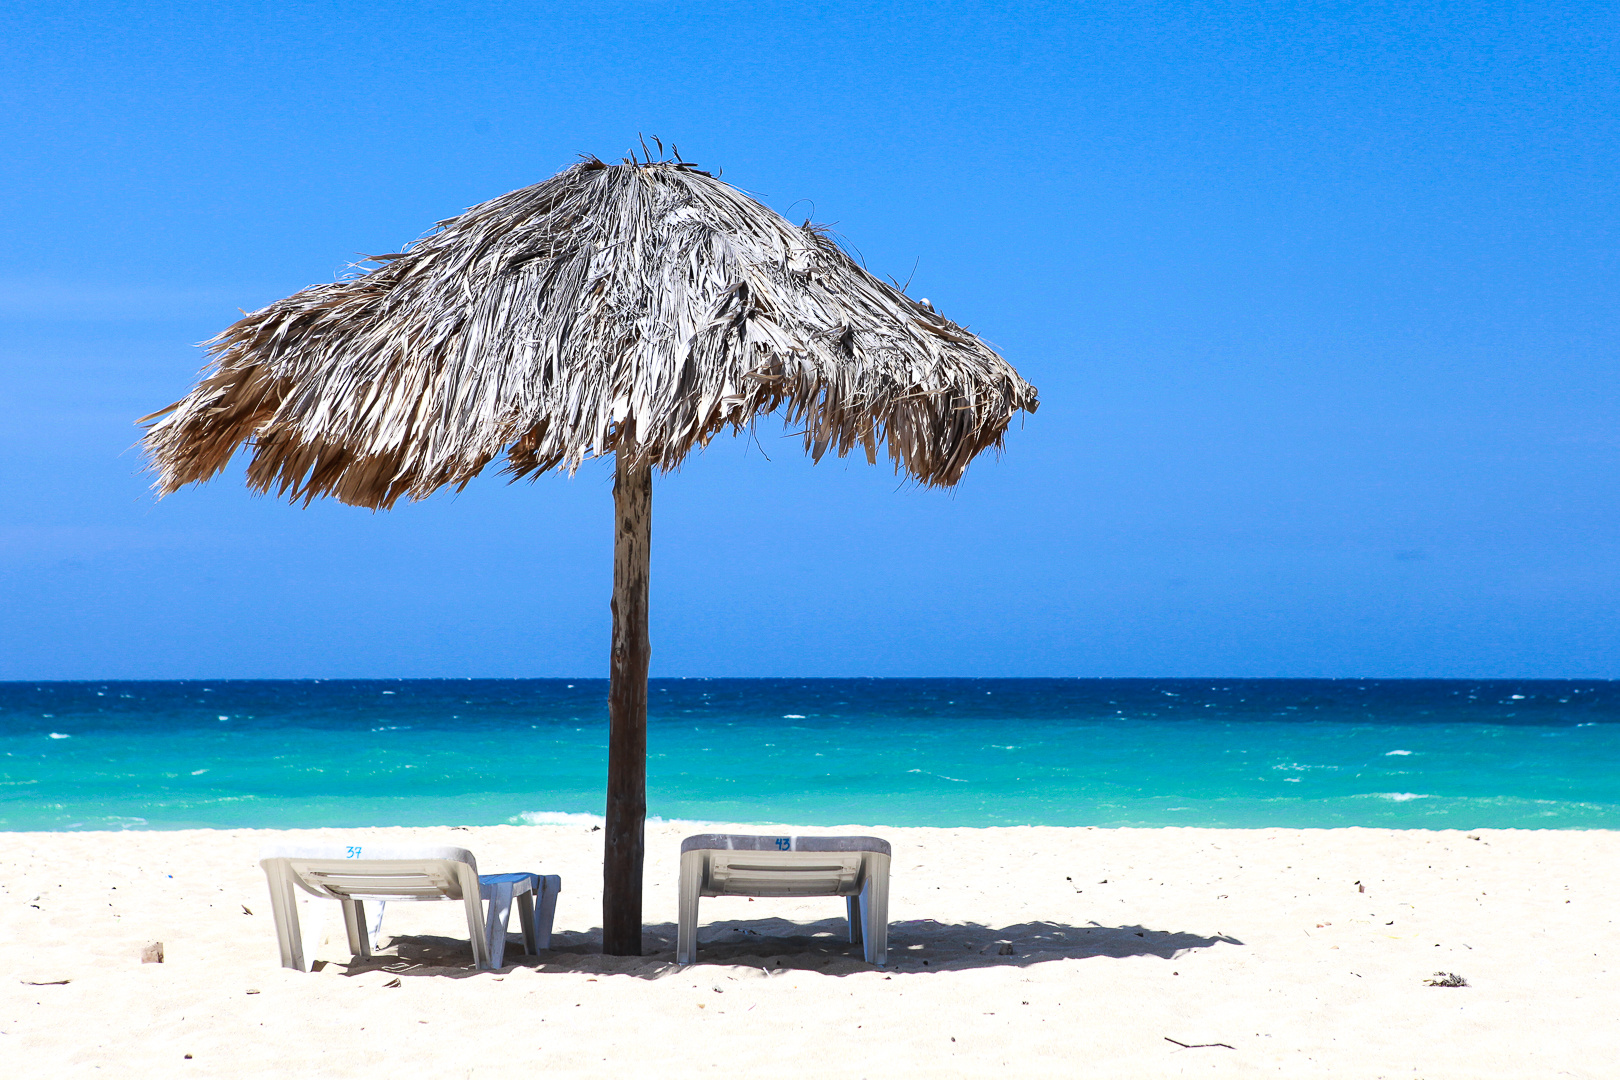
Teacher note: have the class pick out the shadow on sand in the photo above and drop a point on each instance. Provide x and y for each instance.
(915, 947)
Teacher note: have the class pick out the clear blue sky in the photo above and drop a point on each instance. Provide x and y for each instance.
(1320, 298)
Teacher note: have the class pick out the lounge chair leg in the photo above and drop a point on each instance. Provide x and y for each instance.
(691, 887)
(550, 886)
(853, 904)
(500, 913)
(875, 910)
(284, 909)
(374, 930)
(472, 901)
(354, 923)
(525, 906)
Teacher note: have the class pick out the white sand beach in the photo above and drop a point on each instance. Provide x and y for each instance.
(1257, 942)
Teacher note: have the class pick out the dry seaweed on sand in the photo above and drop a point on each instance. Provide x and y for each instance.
(641, 307)
(1445, 978)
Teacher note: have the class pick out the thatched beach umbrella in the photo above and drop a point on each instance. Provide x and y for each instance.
(636, 309)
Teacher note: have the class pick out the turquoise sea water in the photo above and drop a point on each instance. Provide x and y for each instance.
(1243, 753)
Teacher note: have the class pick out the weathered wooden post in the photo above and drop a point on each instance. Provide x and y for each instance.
(623, 837)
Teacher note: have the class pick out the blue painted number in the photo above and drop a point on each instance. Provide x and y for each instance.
(353, 852)
(784, 843)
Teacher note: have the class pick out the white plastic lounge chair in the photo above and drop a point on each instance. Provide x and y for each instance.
(854, 867)
(355, 874)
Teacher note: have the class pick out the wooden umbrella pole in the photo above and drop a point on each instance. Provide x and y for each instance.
(624, 837)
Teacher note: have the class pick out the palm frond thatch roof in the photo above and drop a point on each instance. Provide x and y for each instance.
(642, 307)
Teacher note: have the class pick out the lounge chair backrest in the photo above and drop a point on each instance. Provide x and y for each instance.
(747, 842)
(742, 865)
(380, 872)
(772, 873)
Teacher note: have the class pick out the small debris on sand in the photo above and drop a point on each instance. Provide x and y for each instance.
(1446, 978)
(152, 953)
(1196, 1046)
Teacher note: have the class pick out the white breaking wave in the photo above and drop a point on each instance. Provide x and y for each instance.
(1398, 753)
(1399, 796)
(942, 776)
(556, 817)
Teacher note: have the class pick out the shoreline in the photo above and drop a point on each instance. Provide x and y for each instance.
(570, 819)
(1121, 941)
(703, 825)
